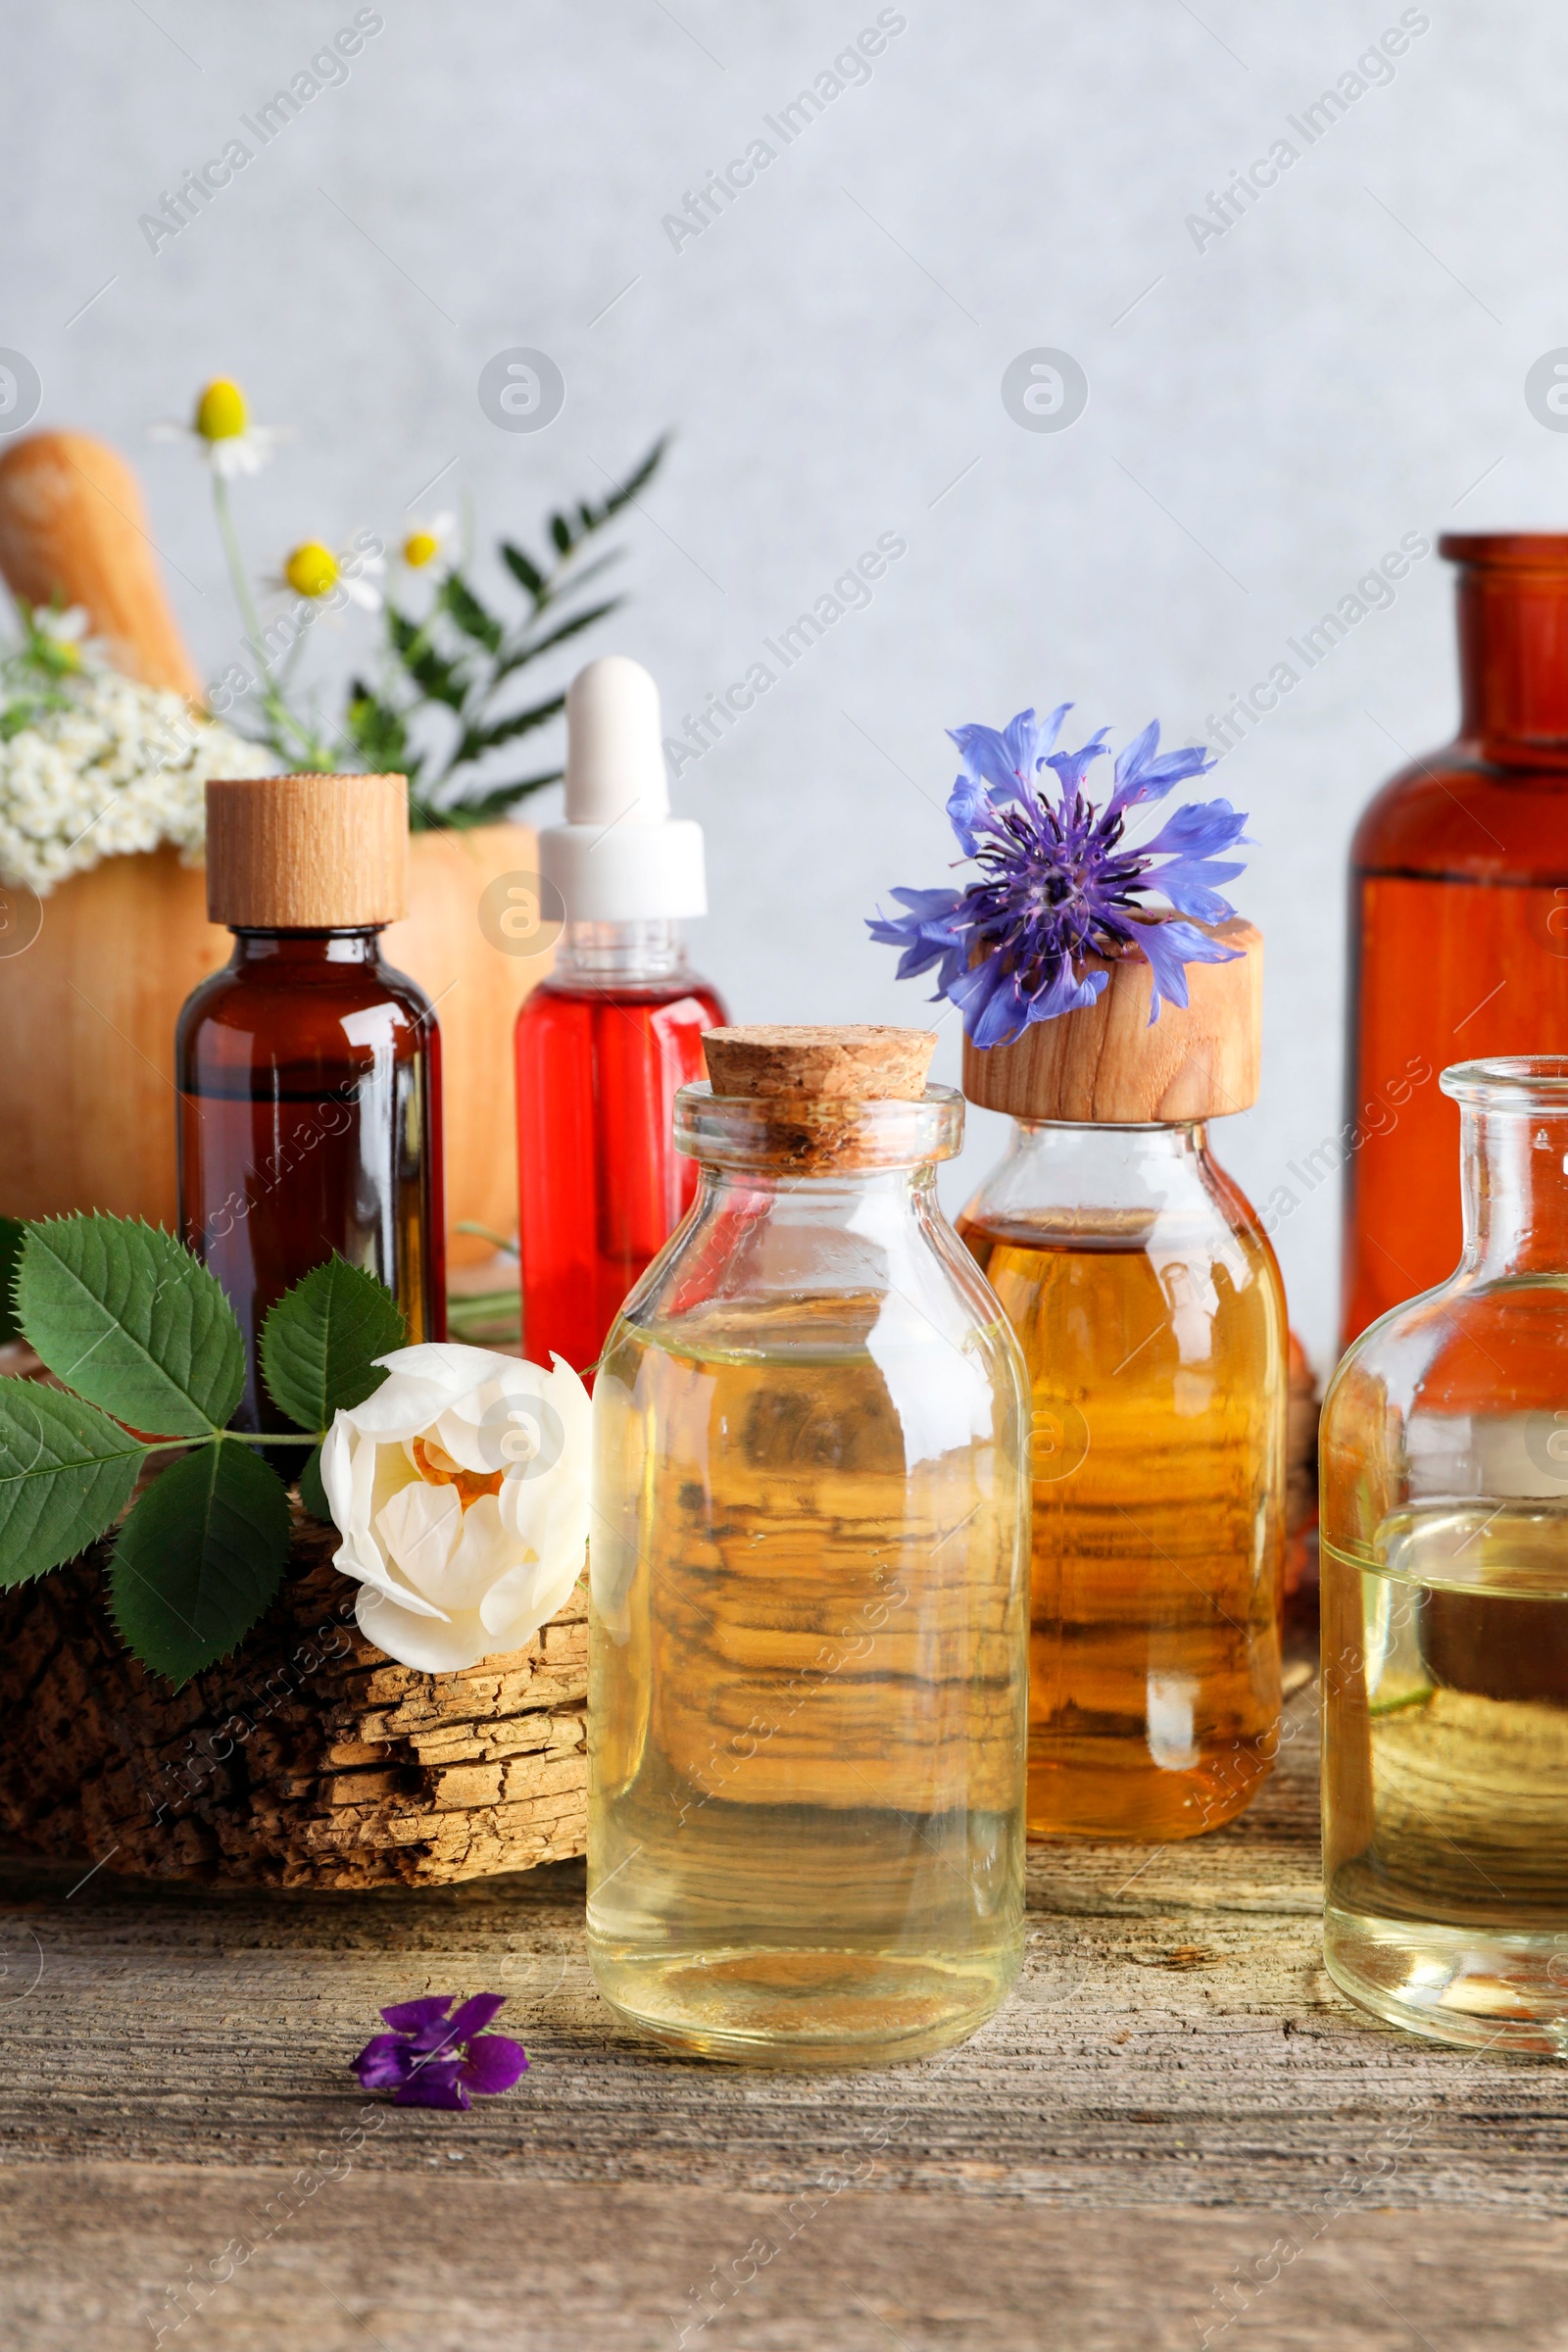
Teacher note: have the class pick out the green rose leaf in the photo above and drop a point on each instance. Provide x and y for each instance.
(124, 1314)
(66, 1474)
(12, 1235)
(313, 1495)
(199, 1559)
(319, 1342)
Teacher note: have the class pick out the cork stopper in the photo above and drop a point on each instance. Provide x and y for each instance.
(307, 853)
(854, 1064)
(1108, 1064)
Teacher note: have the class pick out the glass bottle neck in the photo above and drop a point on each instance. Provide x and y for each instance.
(1062, 1171)
(846, 1198)
(1514, 659)
(1514, 1167)
(1063, 1186)
(819, 1141)
(307, 947)
(609, 954)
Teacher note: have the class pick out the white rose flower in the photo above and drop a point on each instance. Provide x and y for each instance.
(461, 1490)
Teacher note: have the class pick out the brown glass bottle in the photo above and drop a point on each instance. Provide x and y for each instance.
(1458, 918)
(308, 1071)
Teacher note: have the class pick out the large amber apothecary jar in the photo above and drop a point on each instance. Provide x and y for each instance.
(1458, 917)
(808, 1653)
(1152, 1316)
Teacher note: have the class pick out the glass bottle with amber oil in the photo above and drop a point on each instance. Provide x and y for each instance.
(1152, 1317)
(1458, 917)
(807, 1658)
(1444, 1564)
(308, 1071)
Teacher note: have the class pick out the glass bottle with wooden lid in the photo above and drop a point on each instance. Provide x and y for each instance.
(808, 1653)
(1152, 1317)
(308, 1071)
(1445, 1551)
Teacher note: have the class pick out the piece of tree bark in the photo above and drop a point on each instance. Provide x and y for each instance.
(309, 1759)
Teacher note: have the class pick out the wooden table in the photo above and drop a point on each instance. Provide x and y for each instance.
(1175, 2100)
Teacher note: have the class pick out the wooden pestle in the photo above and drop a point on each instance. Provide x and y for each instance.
(73, 529)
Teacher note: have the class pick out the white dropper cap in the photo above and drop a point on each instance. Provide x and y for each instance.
(621, 857)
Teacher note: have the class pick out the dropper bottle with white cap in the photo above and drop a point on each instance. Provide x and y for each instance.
(605, 1041)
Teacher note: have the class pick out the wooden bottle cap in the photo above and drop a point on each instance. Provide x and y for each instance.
(1107, 1065)
(307, 853)
(857, 1064)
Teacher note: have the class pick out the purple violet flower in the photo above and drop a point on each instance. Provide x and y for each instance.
(1057, 883)
(431, 2059)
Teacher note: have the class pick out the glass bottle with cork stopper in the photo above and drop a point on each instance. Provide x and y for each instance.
(1152, 1316)
(603, 1044)
(308, 1072)
(809, 1649)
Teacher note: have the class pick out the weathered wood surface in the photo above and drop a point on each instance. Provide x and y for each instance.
(1175, 2097)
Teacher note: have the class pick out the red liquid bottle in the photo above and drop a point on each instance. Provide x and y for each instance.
(1458, 919)
(606, 1041)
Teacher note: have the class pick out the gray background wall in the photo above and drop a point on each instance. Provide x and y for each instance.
(1267, 416)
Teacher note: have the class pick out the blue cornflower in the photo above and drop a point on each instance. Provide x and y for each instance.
(1057, 886)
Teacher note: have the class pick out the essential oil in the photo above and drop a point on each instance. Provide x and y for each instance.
(1153, 1662)
(807, 1657)
(1446, 1679)
(1458, 929)
(1444, 1589)
(307, 1071)
(1149, 1309)
(603, 1044)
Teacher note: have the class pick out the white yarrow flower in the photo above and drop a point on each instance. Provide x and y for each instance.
(122, 767)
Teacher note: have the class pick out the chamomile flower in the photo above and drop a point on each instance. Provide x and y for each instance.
(220, 426)
(310, 569)
(432, 546)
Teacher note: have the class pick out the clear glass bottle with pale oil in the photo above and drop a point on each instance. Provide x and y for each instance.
(808, 1655)
(1152, 1317)
(1445, 1587)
